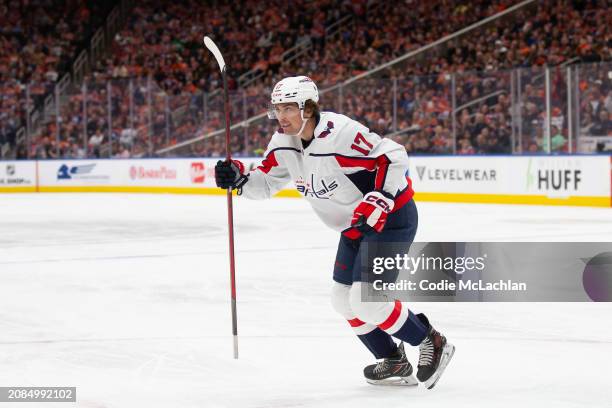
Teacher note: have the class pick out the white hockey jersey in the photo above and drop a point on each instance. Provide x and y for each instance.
(343, 162)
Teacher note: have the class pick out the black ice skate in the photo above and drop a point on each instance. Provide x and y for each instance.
(434, 355)
(395, 370)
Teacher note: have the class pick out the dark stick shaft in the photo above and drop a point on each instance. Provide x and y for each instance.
(230, 218)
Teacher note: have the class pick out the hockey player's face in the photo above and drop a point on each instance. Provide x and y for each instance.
(288, 116)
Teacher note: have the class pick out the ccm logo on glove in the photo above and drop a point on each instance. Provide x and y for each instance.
(380, 202)
(370, 214)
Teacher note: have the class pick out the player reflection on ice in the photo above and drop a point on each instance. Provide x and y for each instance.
(370, 202)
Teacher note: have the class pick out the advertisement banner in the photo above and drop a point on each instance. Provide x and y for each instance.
(459, 174)
(17, 176)
(70, 173)
(595, 144)
(564, 176)
(195, 175)
(546, 180)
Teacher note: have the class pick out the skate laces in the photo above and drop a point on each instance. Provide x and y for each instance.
(384, 364)
(381, 366)
(426, 352)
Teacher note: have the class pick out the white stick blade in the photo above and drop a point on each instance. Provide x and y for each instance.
(212, 47)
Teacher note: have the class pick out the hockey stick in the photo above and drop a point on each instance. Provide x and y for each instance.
(212, 47)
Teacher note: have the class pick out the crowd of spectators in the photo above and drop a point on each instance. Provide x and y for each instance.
(162, 41)
(38, 41)
(160, 53)
(550, 33)
(596, 105)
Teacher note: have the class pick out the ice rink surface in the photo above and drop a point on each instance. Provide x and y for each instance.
(127, 298)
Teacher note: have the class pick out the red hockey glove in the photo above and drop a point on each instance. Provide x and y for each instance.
(370, 214)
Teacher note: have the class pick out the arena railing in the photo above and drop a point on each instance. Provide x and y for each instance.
(531, 110)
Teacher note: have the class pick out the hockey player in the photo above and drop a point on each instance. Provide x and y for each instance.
(356, 183)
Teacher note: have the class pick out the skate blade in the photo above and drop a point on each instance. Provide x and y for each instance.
(447, 354)
(409, 381)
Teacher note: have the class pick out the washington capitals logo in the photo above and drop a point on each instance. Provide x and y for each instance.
(323, 191)
(327, 131)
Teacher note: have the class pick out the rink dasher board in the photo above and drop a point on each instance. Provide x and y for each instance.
(580, 180)
(577, 180)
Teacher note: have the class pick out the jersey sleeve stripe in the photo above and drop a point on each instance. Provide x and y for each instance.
(270, 161)
(363, 162)
(380, 163)
(403, 196)
(383, 169)
(356, 322)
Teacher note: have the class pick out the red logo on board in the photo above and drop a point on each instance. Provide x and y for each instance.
(197, 172)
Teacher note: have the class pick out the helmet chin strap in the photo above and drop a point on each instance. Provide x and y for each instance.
(304, 121)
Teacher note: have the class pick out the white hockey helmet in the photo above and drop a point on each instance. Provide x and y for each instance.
(296, 89)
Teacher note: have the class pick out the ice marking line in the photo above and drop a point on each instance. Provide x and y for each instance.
(114, 258)
(326, 336)
(190, 338)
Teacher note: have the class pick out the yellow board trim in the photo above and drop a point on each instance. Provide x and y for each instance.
(288, 193)
(131, 189)
(513, 199)
(419, 196)
(152, 190)
(31, 189)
